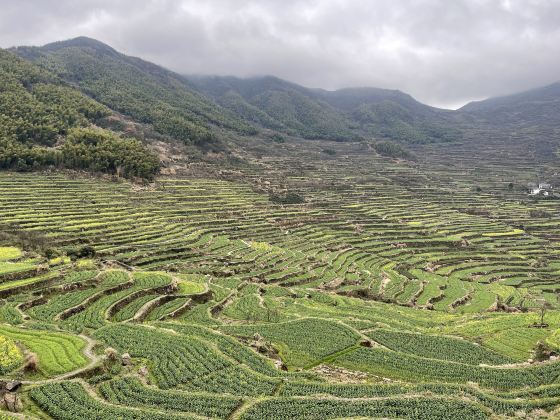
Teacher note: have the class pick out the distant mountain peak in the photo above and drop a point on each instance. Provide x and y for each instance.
(80, 42)
(192, 108)
(550, 92)
(535, 108)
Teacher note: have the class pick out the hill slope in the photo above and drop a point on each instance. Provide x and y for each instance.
(336, 115)
(532, 108)
(393, 114)
(196, 109)
(146, 92)
(44, 122)
(277, 104)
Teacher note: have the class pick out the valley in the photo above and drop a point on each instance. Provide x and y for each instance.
(265, 269)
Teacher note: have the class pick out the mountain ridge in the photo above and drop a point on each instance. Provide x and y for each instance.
(201, 109)
(361, 111)
(135, 87)
(535, 109)
(501, 99)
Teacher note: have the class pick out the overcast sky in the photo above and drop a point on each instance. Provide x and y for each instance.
(443, 52)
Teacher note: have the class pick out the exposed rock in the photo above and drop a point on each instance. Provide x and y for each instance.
(12, 402)
(126, 359)
(431, 267)
(12, 386)
(366, 343)
(338, 374)
(31, 362)
(111, 354)
(502, 307)
(280, 365)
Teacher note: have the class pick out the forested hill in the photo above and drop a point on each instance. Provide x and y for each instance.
(533, 108)
(336, 115)
(277, 104)
(55, 98)
(44, 122)
(199, 110)
(136, 88)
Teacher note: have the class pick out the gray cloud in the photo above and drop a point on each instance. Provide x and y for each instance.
(442, 52)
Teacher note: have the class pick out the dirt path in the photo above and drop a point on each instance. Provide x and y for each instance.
(244, 406)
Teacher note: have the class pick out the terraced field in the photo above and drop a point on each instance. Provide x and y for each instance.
(392, 291)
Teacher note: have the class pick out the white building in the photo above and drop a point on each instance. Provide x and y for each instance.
(542, 188)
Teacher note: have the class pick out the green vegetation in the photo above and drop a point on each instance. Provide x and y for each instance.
(341, 115)
(219, 303)
(279, 105)
(305, 342)
(104, 152)
(393, 121)
(411, 408)
(131, 392)
(37, 111)
(391, 149)
(10, 355)
(190, 287)
(69, 400)
(36, 107)
(280, 278)
(133, 87)
(302, 115)
(196, 358)
(287, 198)
(57, 352)
(438, 347)
(9, 253)
(384, 363)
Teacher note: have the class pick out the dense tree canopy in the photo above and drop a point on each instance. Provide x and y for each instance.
(35, 107)
(101, 150)
(391, 149)
(43, 122)
(90, 149)
(143, 91)
(390, 120)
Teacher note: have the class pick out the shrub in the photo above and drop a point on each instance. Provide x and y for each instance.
(86, 251)
(287, 198)
(278, 138)
(391, 149)
(103, 151)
